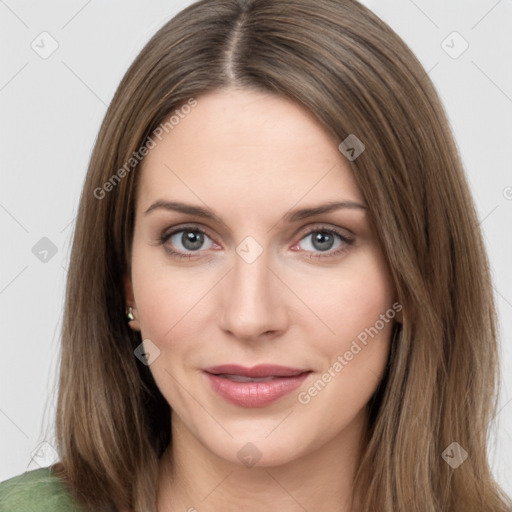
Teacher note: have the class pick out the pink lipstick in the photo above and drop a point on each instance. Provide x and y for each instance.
(257, 386)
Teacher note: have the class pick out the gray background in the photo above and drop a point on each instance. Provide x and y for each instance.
(51, 109)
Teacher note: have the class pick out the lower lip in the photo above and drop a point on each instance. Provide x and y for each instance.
(254, 394)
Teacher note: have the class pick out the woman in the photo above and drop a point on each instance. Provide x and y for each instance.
(278, 293)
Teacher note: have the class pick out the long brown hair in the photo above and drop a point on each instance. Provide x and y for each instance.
(340, 61)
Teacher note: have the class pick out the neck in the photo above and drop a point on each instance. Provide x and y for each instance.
(192, 478)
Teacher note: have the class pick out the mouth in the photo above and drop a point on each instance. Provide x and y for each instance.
(257, 386)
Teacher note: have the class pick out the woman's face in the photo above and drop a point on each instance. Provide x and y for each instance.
(262, 284)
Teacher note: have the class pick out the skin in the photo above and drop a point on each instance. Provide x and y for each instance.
(251, 157)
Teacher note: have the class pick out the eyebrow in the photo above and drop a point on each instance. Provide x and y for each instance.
(291, 216)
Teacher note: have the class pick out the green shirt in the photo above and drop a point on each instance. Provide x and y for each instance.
(38, 490)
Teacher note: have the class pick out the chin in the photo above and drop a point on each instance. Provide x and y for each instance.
(259, 449)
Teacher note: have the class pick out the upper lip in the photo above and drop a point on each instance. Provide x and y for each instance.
(261, 370)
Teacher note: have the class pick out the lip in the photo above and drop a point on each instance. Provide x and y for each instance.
(261, 370)
(282, 381)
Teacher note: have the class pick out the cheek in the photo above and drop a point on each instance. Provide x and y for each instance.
(167, 297)
(357, 306)
(351, 299)
(168, 303)
(359, 309)
(166, 312)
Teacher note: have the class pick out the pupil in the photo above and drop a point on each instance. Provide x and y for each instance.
(322, 241)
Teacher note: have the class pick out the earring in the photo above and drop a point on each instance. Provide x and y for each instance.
(129, 314)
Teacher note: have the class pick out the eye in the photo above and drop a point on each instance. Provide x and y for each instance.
(323, 239)
(190, 239)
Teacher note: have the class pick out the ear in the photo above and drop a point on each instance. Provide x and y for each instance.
(130, 302)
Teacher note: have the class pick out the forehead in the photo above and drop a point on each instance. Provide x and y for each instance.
(253, 147)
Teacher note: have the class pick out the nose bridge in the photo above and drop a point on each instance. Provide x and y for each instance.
(252, 303)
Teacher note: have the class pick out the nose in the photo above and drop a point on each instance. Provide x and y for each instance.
(253, 301)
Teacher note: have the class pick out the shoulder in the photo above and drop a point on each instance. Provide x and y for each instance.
(38, 490)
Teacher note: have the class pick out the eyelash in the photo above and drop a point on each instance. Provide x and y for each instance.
(195, 229)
